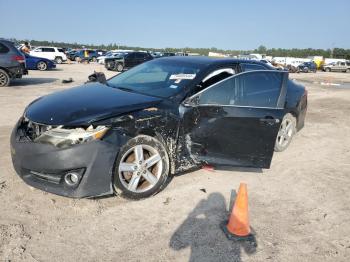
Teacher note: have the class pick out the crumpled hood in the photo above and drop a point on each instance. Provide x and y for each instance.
(85, 104)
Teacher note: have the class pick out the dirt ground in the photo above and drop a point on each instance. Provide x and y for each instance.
(299, 209)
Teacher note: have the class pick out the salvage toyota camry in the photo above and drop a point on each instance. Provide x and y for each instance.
(129, 134)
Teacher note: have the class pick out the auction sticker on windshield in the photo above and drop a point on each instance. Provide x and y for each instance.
(183, 76)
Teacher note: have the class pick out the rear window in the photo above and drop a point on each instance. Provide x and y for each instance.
(252, 67)
(3, 49)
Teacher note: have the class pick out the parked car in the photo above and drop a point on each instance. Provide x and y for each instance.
(38, 63)
(307, 67)
(101, 59)
(126, 60)
(165, 116)
(12, 63)
(337, 67)
(79, 55)
(52, 53)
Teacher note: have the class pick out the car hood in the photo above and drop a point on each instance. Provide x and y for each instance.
(85, 104)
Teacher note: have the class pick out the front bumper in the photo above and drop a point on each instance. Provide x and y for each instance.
(44, 166)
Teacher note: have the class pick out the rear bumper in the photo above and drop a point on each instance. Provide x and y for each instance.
(44, 166)
(17, 71)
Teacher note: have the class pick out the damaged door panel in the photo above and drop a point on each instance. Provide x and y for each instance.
(226, 124)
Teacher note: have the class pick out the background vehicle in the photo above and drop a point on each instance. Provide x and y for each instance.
(109, 54)
(38, 63)
(162, 117)
(126, 60)
(12, 63)
(307, 67)
(337, 67)
(53, 53)
(80, 55)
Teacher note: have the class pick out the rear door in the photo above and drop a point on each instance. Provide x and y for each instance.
(48, 52)
(236, 121)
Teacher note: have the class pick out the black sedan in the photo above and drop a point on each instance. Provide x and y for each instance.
(163, 117)
(126, 60)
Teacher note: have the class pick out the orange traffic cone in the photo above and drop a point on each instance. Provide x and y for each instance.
(238, 224)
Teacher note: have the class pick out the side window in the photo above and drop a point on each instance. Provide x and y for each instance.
(39, 49)
(47, 49)
(60, 50)
(3, 49)
(216, 76)
(342, 63)
(251, 89)
(130, 56)
(251, 67)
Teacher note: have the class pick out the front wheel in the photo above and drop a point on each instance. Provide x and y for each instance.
(94, 59)
(4, 78)
(42, 66)
(142, 168)
(328, 69)
(286, 132)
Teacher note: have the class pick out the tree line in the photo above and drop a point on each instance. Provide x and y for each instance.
(294, 52)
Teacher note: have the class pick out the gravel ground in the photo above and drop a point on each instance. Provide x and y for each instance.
(299, 209)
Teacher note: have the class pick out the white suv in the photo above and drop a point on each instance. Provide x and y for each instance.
(53, 53)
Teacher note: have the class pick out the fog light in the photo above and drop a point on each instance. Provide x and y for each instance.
(72, 178)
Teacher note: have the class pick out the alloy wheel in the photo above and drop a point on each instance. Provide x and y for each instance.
(42, 66)
(3, 79)
(285, 133)
(140, 168)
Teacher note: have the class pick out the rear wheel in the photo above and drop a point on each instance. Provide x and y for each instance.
(94, 59)
(41, 65)
(142, 168)
(58, 60)
(328, 69)
(306, 70)
(120, 67)
(286, 132)
(4, 78)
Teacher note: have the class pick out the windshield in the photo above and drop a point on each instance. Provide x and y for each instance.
(160, 78)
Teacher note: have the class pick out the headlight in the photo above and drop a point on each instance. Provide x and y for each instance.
(64, 137)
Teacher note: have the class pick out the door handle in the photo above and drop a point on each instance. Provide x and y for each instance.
(269, 120)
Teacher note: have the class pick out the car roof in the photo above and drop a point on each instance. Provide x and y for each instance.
(209, 61)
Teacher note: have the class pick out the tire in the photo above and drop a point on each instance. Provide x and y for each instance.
(77, 59)
(94, 59)
(110, 65)
(286, 132)
(306, 70)
(347, 70)
(58, 60)
(41, 65)
(328, 69)
(120, 67)
(4, 78)
(132, 178)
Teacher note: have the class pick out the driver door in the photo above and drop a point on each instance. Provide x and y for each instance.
(236, 121)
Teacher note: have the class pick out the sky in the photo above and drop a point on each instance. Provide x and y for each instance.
(224, 24)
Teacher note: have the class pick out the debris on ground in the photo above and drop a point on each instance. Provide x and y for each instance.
(66, 81)
(167, 201)
(203, 190)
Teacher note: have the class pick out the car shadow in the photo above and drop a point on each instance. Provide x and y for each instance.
(31, 81)
(202, 233)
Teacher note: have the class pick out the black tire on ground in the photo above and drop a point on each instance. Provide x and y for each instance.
(286, 132)
(120, 67)
(347, 70)
(4, 78)
(41, 65)
(94, 59)
(328, 69)
(306, 70)
(58, 60)
(146, 183)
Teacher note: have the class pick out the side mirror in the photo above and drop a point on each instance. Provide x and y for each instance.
(191, 101)
(97, 77)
